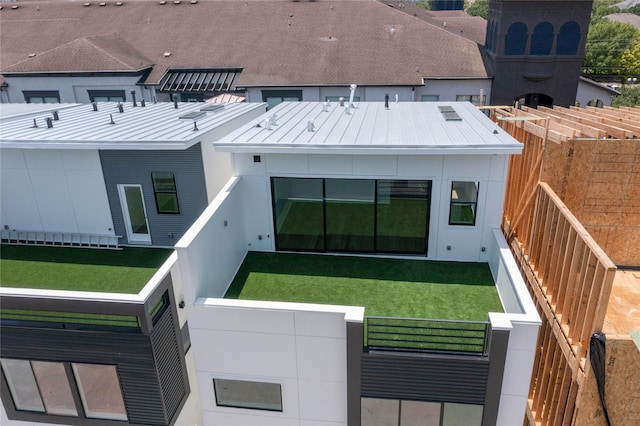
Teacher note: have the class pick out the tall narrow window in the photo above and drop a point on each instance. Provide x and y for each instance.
(515, 42)
(22, 384)
(568, 39)
(542, 39)
(464, 202)
(100, 391)
(166, 193)
(246, 394)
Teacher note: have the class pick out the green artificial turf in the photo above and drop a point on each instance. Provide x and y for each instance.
(385, 287)
(79, 269)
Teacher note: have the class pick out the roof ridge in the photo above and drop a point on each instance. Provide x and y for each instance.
(116, 35)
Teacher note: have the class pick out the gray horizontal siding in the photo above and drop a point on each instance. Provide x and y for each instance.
(135, 167)
(419, 377)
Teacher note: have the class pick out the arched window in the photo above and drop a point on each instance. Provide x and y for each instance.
(516, 39)
(568, 39)
(542, 39)
(596, 103)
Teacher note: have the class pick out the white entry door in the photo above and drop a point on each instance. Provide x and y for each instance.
(135, 214)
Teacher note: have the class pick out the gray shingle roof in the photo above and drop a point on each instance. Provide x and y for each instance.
(275, 42)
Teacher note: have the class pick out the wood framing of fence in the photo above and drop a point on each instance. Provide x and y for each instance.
(569, 275)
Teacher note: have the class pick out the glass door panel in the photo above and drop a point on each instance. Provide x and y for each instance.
(350, 214)
(402, 216)
(299, 214)
(135, 214)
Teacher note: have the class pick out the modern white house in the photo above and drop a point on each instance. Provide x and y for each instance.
(109, 173)
(335, 180)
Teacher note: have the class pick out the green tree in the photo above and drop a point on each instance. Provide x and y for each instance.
(630, 62)
(479, 8)
(630, 96)
(606, 43)
(635, 9)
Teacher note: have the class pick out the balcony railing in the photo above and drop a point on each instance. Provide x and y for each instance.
(426, 335)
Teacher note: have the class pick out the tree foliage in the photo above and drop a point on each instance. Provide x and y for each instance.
(479, 8)
(630, 96)
(607, 42)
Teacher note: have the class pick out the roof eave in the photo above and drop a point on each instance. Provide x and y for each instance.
(368, 150)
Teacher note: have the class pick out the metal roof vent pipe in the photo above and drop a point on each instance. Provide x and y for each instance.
(49, 121)
(386, 101)
(267, 123)
(341, 100)
(272, 120)
(55, 115)
(310, 126)
(325, 106)
(347, 110)
(142, 103)
(94, 106)
(35, 125)
(353, 91)
(175, 101)
(120, 108)
(133, 96)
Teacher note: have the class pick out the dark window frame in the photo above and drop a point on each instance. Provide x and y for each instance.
(282, 94)
(120, 94)
(473, 203)
(157, 192)
(516, 39)
(30, 94)
(248, 406)
(74, 387)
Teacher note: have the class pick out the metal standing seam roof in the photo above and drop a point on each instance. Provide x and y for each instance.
(404, 128)
(154, 126)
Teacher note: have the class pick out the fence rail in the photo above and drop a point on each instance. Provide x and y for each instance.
(426, 335)
(61, 239)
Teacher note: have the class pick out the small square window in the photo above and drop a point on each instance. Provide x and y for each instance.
(247, 394)
(257, 159)
(464, 202)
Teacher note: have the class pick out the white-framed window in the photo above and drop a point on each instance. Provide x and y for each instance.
(248, 394)
(464, 203)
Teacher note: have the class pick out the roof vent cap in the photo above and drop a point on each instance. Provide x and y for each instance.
(119, 3)
(102, 4)
(166, 54)
(31, 55)
(87, 4)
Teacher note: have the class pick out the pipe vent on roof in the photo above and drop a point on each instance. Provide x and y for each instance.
(449, 113)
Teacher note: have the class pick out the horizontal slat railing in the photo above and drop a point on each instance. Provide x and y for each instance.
(426, 335)
(63, 239)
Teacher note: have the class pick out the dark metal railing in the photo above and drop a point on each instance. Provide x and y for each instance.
(426, 335)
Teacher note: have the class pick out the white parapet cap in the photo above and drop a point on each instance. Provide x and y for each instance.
(102, 126)
(404, 128)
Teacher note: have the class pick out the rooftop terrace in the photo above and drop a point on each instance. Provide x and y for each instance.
(78, 269)
(385, 287)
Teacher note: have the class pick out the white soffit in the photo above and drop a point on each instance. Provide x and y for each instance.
(371, 128)
(154, 126)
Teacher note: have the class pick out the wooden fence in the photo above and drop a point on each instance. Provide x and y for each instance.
(568, 274)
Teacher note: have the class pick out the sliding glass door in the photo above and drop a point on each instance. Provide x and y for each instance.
(351, 215)
(402, 216)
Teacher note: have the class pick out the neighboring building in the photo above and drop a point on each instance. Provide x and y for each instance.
(304, 163)
(536, 50)
(304, 51)
(592, 93)
(101, 177)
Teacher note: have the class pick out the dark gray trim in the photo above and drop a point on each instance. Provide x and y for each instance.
(425, 377)
(355, 341)
(150, 364)
(498, 354)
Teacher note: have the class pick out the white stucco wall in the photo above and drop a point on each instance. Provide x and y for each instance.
(590, 92)
(465, 242)
(302, 347)
(523, 321)
(53, 190)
